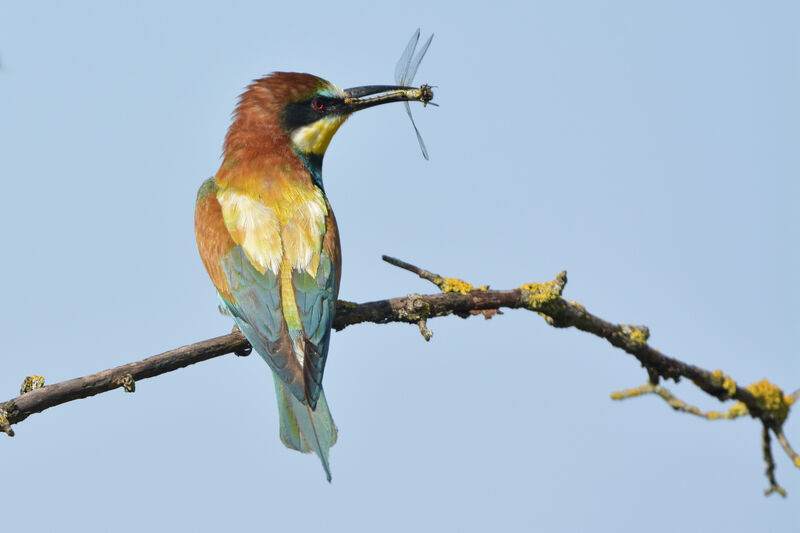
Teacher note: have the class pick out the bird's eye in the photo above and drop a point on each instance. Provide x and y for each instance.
(318, 104)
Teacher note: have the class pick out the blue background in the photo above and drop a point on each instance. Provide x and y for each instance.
(650, 150)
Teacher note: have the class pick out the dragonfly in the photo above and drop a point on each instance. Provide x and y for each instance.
(404, 74)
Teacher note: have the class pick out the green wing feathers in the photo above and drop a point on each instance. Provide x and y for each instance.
(286, 315)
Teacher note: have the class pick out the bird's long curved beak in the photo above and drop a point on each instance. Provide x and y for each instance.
(358, 98)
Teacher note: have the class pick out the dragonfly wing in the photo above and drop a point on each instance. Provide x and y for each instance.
(404, 73)
(401, 69)
(412, 68)
(416, 130)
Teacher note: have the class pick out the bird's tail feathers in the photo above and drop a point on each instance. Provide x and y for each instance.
(304, 429)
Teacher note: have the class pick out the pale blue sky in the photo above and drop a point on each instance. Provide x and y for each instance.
(650, 150)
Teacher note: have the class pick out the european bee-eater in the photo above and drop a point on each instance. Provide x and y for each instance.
(268, 237)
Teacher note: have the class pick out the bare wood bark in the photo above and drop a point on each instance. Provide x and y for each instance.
(461, 299)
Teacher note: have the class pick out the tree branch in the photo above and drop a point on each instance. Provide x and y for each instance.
(766, 447)
(761, 400)
(679, 405)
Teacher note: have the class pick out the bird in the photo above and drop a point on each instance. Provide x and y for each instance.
(268, 237)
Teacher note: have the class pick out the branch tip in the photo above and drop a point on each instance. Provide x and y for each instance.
(561, 281)
(423, 329)
(770, 471)
(424, 274)
(444, 284)
(784, 442)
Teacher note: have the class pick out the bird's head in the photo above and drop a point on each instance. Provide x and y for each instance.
(303, 112)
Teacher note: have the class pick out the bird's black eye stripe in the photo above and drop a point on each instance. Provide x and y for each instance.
(325, 104)
(298, 114)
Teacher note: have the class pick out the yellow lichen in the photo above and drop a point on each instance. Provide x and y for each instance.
(638, 336)
(738, 409)
(719, 379)
(5, 424)
(797, 461)
(540, 294)
(344, 304)
(128, 383)
(771, 399)
(630, 393)
(457, 285)
(729, 385)
(675, 403)
(31, 383)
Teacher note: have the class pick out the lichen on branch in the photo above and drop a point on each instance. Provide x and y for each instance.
(761, 400)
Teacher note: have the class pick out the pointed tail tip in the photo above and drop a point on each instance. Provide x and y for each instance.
(303, 429)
